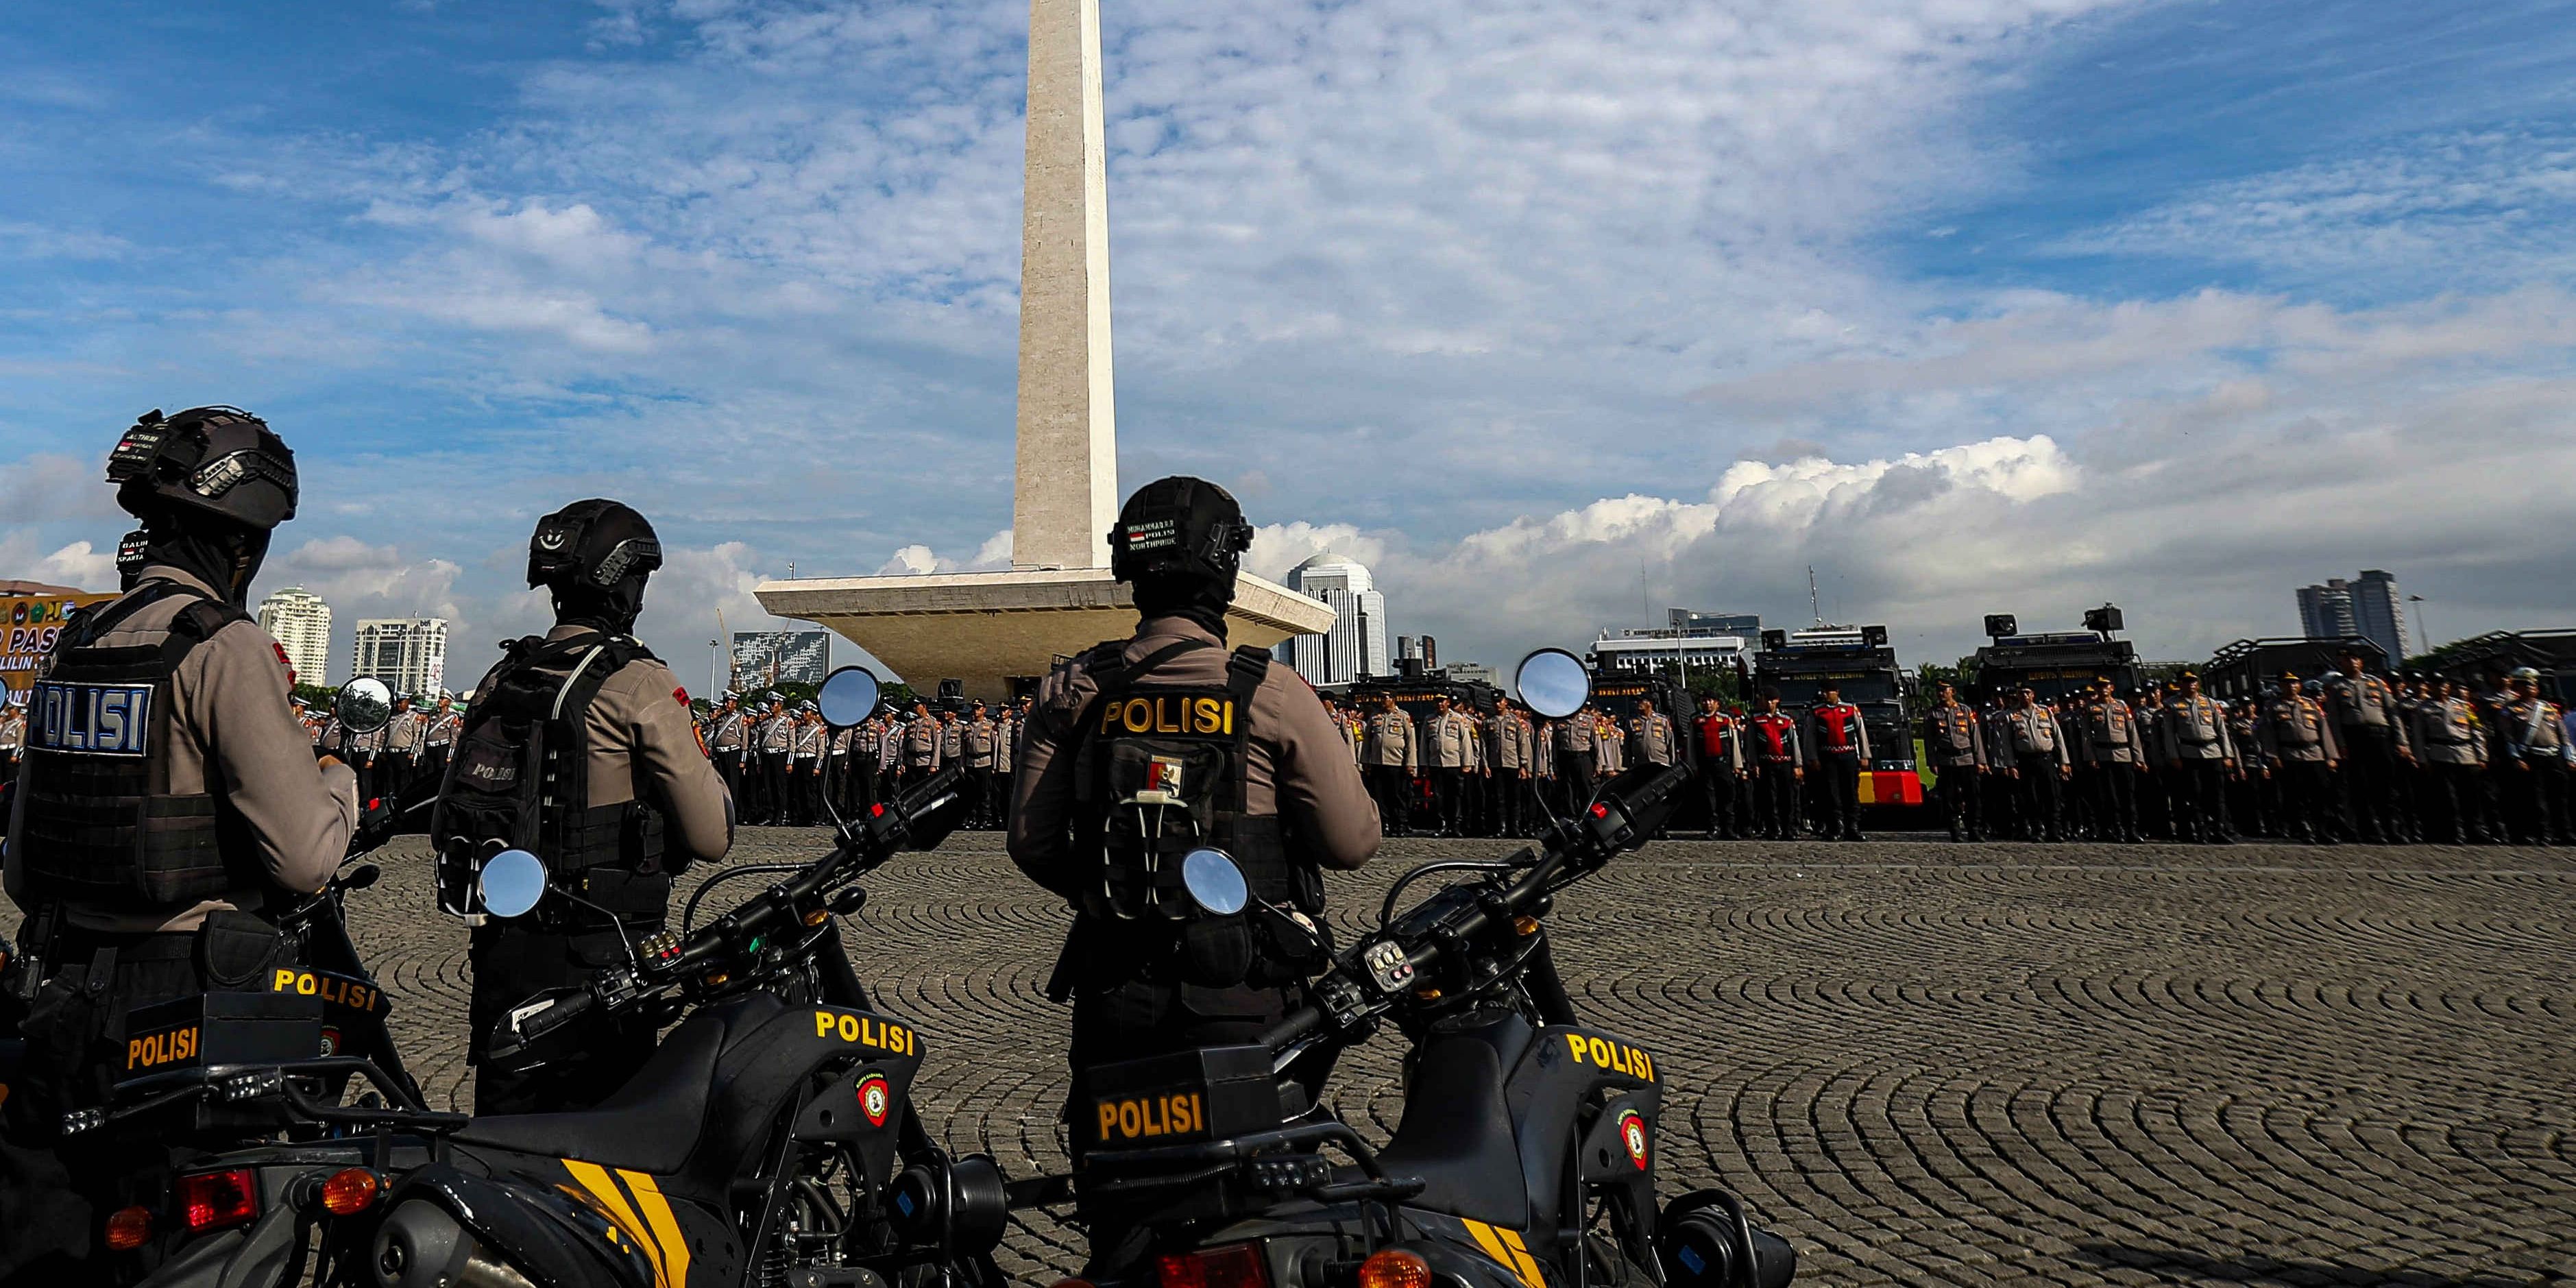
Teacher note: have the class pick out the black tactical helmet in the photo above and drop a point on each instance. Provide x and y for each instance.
(1179, 525)
(597, 543)
(214, 460)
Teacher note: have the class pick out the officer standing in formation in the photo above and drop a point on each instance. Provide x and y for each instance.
(402, 748)
(1721, 769)
(725, 743)
(2372, 735)
(2032, 751)
(152, 859)
(620, 741)
(1839, 741)
(1780, 765)
(2113, 752)
(2298, 740)
(1508, 739)
(981, 740)
(777, 757)
(438, 738)
(1450, 741)
(2199, 751)
(1391, 751)
(2531, 751)
(1270, 783)
(1954, 743)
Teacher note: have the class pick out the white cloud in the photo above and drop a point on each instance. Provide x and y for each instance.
(917, 560)
(1278, 547)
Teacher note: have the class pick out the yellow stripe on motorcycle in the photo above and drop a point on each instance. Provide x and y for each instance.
(612, 1204)
(1507, 1250)
(666, 1229)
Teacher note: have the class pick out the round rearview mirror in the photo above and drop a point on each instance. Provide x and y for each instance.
(848, 696)
(512, 882)
(1214, 882)
(364, 706)
(1553, 683)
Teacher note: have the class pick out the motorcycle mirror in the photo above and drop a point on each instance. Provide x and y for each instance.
(1215, 883)
(1553, 683)
(361, 876)
(364, 705)
(848, 696)
(512, 882)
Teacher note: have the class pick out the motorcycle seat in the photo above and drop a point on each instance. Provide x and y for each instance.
(648, 1125)
(1456, 1137)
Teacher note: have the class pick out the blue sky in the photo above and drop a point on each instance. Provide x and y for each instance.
(1550, 310)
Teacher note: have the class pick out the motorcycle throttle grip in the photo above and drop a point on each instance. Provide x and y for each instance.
(554, 1017)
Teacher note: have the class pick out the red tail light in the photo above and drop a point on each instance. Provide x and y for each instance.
(213, 1200)
(1236, 1265)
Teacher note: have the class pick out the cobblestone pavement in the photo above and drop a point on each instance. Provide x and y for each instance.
(1922, 1062)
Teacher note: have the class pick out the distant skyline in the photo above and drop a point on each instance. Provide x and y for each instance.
(1542, 311)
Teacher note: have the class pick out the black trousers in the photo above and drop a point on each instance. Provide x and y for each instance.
(1962, 793)
(2115, 800)
(1448, 788)
(2455, 802)
(1577, 770)
(1392, 785)
(729, 768)
(2370, 780)
(398, 769)
(1725, 789)
(981, 784)
(2307, 799)
(433, 761)
(775, 804)
(1775, 800)
(2043, 799)
(2197, 792)
(2536, 799)
(1507, 799)
(1841, 797)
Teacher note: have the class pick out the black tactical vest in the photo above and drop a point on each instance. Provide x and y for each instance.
(102, 828)
(1161, 771)
(519, 778)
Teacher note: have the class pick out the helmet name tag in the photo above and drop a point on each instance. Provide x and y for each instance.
(91, 719)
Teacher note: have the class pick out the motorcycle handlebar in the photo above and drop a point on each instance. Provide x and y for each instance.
(1609, 824)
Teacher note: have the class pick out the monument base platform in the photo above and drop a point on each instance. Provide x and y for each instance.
(987, 628)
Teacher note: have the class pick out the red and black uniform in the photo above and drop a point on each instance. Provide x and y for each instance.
(1778, 755)
(1721, 772)
(1841, 739)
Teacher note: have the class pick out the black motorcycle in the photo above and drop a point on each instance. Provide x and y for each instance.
(769, 1139)
(1526, 1156)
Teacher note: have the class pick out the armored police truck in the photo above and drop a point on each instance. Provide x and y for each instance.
(2054, 664)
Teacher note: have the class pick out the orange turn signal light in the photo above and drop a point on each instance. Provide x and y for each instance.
(1426, 993)
(129, 1228)
(817, 917)
(350, 1191)
(1525, 926)
(1395, 1268)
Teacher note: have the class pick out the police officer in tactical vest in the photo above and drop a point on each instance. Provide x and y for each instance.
(1141, 750)
(170, 805)
(579, 748)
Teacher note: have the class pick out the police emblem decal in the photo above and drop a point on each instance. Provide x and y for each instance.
(1632, 1134)
(876, 1098)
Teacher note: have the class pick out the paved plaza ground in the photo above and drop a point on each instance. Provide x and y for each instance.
(1921, 1062)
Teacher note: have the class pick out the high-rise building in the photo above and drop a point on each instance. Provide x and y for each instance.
(301, 624)
(763, 658)
(2379, 612)
(408, 653)
(2368, 606)
(1356, 646)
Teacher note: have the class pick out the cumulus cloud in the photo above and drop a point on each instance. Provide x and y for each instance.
(917, 559)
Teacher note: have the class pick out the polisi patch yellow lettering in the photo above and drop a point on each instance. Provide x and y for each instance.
(1169, 713)
(330, 988)
(867, 1031)
(161, 1048)
(1125, 1118)
(1617, 1057)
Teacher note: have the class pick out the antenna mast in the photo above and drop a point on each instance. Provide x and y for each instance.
(1815, 602)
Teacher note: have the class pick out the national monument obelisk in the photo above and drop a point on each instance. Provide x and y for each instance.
(987, 628)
